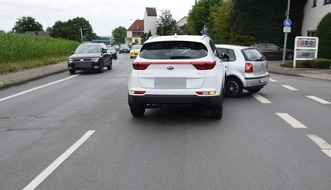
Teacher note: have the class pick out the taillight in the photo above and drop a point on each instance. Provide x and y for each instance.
(204, 65)
(137, 92)
(248, 67)
(140, 65)
(206, 92)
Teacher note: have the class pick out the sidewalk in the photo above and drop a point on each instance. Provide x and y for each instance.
(274, 67)
(32, 74)
(323, 74)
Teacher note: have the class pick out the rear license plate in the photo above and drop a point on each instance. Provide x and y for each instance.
(170, 82)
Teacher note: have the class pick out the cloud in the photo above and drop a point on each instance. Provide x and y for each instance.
(103, 15)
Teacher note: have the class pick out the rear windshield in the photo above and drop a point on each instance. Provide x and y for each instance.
(173, 50)
(252, 55)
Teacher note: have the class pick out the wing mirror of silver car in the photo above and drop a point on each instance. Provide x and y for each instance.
(225, 57)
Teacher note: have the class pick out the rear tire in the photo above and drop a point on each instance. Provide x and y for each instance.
(217, 112)
(234, 88)
(72, 72)
(137, 110)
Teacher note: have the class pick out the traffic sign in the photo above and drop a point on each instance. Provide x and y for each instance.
(287, 22)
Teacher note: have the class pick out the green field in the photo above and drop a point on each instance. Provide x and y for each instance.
(19, 52)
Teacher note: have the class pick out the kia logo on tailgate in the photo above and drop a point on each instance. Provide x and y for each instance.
(170, 68)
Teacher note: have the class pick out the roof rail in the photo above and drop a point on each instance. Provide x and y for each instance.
(154, 36)
(203, 36)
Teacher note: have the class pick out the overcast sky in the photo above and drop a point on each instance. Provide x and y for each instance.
(103, 15)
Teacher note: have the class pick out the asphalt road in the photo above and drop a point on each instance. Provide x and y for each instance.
(76, 132)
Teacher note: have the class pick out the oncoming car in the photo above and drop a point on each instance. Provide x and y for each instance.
(90, 56)
(245, 68)
(177, 70)
(135, 49)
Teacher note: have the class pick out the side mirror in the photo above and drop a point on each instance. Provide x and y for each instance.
(72, 52)
(104, 50)
(225, 57)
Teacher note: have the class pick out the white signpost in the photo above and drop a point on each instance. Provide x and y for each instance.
(305, 48)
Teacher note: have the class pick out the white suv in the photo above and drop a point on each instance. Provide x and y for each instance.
(177, 70)
(245, 67)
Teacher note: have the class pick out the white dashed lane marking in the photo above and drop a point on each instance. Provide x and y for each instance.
(43, 175)
(272, 80)
(292, 121)
(317, 99)
(262, 99)
(325, 147)
(36, 88)
(289, 88)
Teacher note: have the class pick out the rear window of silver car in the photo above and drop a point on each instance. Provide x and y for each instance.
(252, 54)
(173, 50)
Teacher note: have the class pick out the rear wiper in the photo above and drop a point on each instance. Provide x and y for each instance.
(180, 57)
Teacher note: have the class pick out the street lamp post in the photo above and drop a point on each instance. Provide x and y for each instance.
(80, 31)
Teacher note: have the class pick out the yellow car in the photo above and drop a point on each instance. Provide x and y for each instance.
(135, 49)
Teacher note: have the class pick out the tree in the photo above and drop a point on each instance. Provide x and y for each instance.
(71, 30)
(145, 37)
(199, 16)
(262, 21)
(323, 33)
(119, 35)
(166, 25)
(219, 29)
(26, 23)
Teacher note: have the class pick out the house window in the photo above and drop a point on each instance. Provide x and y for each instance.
(314, 3)
(327, 2)
(311, 33)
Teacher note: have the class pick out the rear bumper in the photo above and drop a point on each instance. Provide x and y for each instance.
(207, 101)
(252, 82)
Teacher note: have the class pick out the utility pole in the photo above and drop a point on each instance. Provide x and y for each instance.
(287, 14)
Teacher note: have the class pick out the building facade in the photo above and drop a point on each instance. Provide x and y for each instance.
(150, 20)
(314, 12)
(134, 33)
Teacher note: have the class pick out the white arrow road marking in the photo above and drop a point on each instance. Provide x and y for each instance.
(289, 88)
(36, 88)
(262, 99)
(290, 120)
(317, 99)
(43, 175)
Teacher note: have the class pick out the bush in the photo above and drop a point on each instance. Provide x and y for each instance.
(315, 63)
(321, 63)
(323, 33)
(299, 64)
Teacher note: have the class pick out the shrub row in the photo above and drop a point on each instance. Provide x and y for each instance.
(315, 63)
(18, 51)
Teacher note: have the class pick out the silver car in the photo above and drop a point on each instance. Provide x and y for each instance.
(245, 67)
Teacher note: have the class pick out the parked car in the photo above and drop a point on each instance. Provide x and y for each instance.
(245, 68)
(124, 48)
(272, 51)
(112, 51)
(177, 70)
(117, 47)
(90, 56)
(135, 49)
